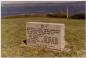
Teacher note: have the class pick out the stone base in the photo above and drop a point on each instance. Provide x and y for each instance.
(24, 44)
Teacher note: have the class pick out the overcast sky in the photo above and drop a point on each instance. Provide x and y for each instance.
(20, 2)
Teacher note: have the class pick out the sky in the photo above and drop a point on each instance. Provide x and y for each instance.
(20, 2)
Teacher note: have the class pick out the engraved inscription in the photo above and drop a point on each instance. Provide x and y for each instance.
(44, 35)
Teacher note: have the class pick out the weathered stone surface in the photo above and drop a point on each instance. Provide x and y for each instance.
(45, 35)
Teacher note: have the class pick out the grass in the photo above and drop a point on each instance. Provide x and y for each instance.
(13, 32)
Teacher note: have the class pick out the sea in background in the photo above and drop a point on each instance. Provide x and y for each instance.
(17, 9)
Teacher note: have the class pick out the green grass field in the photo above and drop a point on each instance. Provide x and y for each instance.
(13, 32)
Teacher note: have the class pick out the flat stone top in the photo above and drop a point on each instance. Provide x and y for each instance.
(46, 23)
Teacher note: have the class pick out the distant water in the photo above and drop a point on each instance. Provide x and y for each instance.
(15, 10)
(6, 11)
